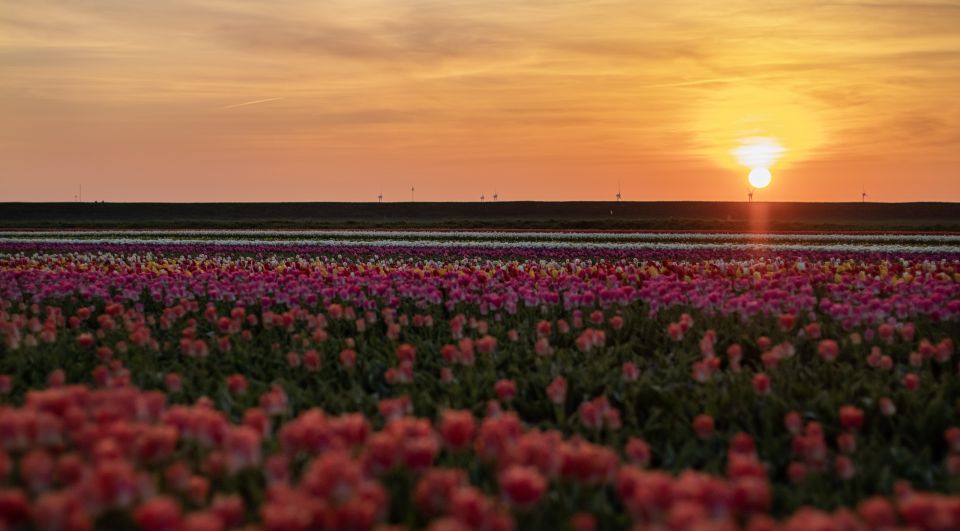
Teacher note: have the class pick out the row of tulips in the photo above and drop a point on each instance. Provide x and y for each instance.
(498, 235)
(285, 391)
(544, 246)
(454, 251)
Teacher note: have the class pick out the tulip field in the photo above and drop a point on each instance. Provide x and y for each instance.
(288, 380)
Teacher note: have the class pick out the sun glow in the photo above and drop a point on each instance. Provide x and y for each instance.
(758, 152)
(758, 127)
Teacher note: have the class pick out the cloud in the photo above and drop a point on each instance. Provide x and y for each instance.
(402, 40)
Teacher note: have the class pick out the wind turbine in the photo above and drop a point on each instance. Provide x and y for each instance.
(495, 196)
(411, 194)
(863, 194)
(380, 197)
(619, 196)
(481, 197)
(750, 195)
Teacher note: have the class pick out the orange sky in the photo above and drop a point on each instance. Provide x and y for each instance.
(539, 99)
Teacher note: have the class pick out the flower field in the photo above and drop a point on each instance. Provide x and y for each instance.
(496, 380)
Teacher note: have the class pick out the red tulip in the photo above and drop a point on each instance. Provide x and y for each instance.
(506, 390)
(887, 407)
(173, 382)
(521, 486)
(851, 418)
(159, 514)
(557, 390)
(348, 358)
(793, 422)
(911, 381)
(844, 468)
(638, 451)
(828, 349)
(703, 426)
(761, 384)
(86, 340)
(237, 384)
(311, 360)
(457, 428)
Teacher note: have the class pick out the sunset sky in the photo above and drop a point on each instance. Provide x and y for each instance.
(236, 100)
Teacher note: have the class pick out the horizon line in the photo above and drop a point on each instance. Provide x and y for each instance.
(597, 201)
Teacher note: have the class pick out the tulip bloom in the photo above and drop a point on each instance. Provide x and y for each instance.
(761, 384)
(703, 426)
(522, 487)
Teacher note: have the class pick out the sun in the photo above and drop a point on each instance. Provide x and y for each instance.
(759, 177)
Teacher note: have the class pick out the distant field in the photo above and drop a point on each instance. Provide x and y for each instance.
(686, 215)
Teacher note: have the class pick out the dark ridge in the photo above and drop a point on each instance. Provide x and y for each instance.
(699, 215)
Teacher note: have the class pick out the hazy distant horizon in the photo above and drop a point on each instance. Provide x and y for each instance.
(502, 201)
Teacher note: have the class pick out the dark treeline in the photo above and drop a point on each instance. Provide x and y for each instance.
(503, 214)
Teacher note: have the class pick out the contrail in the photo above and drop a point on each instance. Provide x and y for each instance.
(695, 82)
(249, 103)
